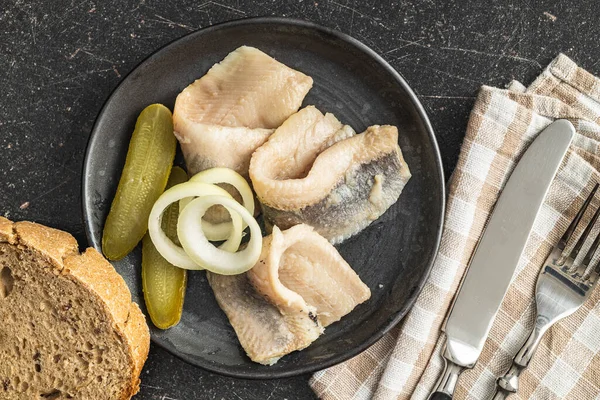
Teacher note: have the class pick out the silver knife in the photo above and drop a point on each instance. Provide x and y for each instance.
(496, 257)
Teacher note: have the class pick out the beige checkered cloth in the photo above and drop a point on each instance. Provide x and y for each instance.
(406, 363)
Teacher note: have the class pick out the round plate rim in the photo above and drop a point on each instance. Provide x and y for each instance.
(349, 353)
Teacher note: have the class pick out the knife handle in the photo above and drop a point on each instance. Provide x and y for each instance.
(440, 396)
(509, 382)
(444, 388)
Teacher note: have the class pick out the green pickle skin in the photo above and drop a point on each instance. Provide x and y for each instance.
(144, 177)
(164, 284)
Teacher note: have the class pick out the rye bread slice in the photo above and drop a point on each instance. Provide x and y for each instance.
(68, 327)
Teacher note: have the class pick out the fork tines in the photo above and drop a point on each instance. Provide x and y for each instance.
(568, 236)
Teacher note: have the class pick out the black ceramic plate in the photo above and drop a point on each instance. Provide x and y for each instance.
(393, 256)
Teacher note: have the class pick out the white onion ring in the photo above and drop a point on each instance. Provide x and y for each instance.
(220, 231)
(169, 250)
(226, 175)
(199, 249)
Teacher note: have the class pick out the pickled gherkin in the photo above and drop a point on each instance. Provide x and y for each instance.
(164, 284)
(144, 177)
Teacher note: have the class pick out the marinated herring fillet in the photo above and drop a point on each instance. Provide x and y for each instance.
(299, 286)
(221, 118)
(299, 268)
(265, 333)
(313, 170)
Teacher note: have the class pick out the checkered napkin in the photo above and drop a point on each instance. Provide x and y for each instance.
(406, 363)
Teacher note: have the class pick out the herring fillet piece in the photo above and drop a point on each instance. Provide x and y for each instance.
(299, 285)
(221, 118)
(313, 170)
(299, 268)
(263, 331)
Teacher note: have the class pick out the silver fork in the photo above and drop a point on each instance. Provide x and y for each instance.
(563, 285)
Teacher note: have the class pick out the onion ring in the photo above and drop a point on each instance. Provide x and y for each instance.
(221, 231)
(202, 252)
(169, 250)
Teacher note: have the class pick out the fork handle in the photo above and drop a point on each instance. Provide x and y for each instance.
(509, 382)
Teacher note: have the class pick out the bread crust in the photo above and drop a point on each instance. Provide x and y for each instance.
(92, 271)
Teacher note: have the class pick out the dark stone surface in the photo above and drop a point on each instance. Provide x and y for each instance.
(60, 59)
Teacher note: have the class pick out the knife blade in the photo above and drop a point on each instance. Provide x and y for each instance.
(496, 257)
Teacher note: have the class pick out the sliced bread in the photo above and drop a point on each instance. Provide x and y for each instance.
(69, 328)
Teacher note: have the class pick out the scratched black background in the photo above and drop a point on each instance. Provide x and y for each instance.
(60, 59)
